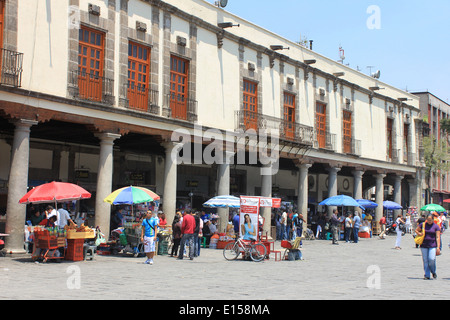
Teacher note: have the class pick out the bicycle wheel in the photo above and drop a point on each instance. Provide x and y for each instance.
(231, 251)
(258, 252)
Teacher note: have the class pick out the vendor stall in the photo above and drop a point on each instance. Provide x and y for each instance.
(54, 243)
(127, 239)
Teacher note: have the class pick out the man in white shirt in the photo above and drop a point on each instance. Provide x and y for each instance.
(63, 218)
(283, 223)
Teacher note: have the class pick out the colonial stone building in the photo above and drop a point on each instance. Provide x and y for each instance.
(92, 90)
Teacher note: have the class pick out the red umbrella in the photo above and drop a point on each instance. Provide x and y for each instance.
(447, 200)
(54, 192)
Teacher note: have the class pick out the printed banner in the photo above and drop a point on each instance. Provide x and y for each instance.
(270, 202)
(249, 207)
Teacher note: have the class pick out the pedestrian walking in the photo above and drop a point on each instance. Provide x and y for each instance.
(408, 226)
(430, 246)
(334, 221)
(321, 221)
(348, 227)
(187, 230)
(198, 234)
(399, 229)
(148, 235)
(176, 235)
(298, 224)
(283, 224)
(383, 227)
(356, 226)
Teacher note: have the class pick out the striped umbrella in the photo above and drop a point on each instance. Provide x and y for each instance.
(131, 195)
(223, 202)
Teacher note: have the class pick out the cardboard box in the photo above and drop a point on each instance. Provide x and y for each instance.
(73, 234)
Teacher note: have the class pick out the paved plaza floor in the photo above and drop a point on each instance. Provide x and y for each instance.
(370, 269)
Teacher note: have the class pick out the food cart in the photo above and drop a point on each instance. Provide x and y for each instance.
(57, 244)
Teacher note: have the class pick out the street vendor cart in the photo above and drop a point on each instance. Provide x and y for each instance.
(47, 244)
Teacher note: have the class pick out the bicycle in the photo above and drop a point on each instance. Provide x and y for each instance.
(256, 251)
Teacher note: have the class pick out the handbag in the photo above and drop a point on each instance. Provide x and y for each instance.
(419, 239)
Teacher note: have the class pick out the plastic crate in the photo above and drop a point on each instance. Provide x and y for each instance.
(75, 249)
(104, 250)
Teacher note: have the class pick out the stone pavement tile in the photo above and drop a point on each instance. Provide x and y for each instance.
(371, 269)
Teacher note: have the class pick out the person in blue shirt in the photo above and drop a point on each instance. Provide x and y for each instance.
(356, 225)
(236, 220)
(148, 235)
(248, 229)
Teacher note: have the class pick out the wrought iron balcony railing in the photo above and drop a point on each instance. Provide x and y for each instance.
(290, 131)
(11, 68)
(88, 86)
(351, 146)
(180, 107)
(325, 140)
(141, 99)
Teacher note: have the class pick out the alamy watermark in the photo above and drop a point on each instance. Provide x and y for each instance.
(73, 281)
(374, 20)
(74, 17)
(374, 279)
(239, 147)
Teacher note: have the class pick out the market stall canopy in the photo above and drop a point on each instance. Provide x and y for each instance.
(235, 202)
(55, 192)
(131, 195)
(391, 205)
(223, 202)
(433, 207)
(367, 204)
(341, 201)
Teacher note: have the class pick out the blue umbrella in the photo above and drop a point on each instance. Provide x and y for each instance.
(341, 201)
(367, 204)
(390, 205)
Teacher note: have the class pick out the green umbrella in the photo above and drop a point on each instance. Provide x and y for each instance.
(433, 207)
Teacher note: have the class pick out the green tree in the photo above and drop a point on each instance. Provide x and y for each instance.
(436, 157)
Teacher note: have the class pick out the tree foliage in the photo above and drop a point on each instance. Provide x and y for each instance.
(436, 156)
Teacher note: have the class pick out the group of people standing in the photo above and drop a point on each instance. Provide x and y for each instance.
(289, 225)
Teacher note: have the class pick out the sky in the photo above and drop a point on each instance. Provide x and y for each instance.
(408, 41)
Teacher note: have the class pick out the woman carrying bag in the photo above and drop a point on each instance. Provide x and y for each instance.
(428, 236)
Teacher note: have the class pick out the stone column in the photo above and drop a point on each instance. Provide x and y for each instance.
(412, 184)
(420, 176)
(266, 191)
(170, 180)
(223, 188)
(104, 181)
(17, 187)
(357, 186)
(332, 186)
(379, 195)
(302, 198)
(398, 192)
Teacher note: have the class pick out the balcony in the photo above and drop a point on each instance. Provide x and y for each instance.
(393, 155)
(87, 86)
(141, 99)
(180, 107)
(325, 141)
(290, 131)
(351, 146)
(11, 68)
